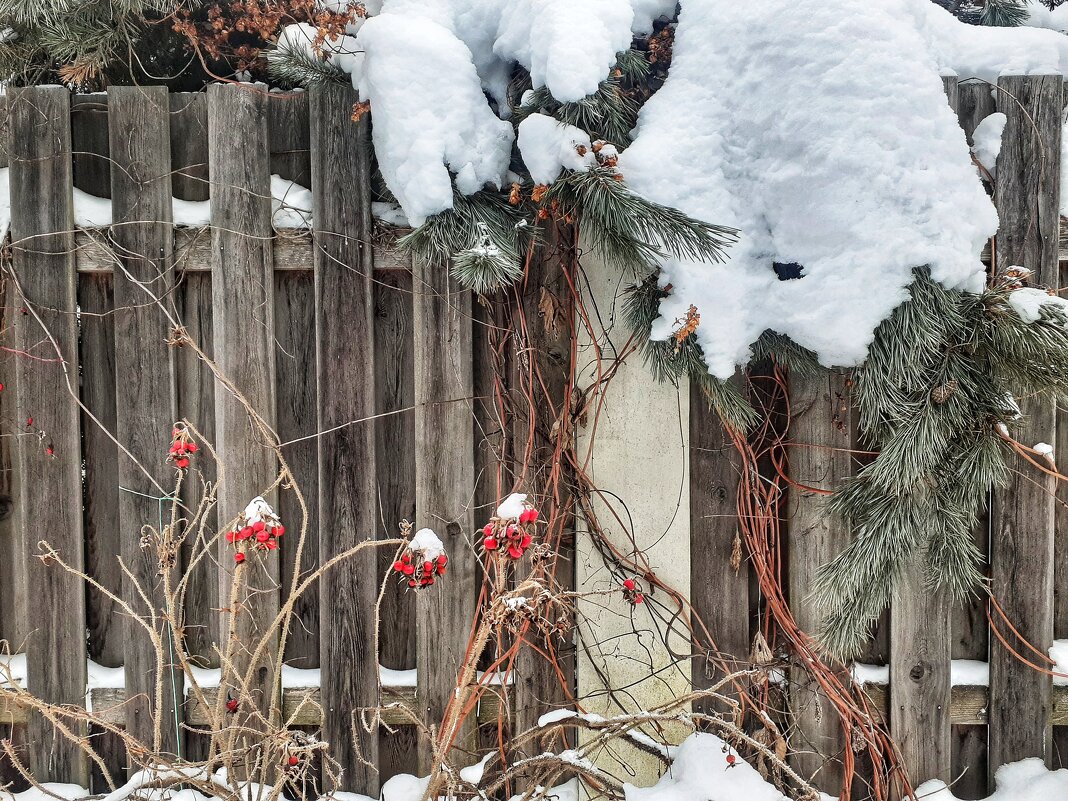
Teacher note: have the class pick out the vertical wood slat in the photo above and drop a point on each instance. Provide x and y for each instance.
(920, 648)
(444, 486)
(143, 239)
(195, 382)
(243, 333)
(719, 592)
(294, 294)
(968, 620)
(345, 366)
(542, 355)
(395, 469)
(90, 144)
(1027, 196)
(818, 457)
(41, 225)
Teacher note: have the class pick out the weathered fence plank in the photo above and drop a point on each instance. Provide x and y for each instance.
(1027, 195)
(395, 468)
(90, 144)
(42, 218)
(348, 506)
(719, 580)
(444, 484)
(142, 236)
(243, 331)
(195, 382)
(819, 458)
(542, 354)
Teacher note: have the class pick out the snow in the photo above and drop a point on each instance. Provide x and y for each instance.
(568, 46)
(1027, 780)
(549, 146)
(473, 773)
(390, 213)
(970, 672)
(512, 506)
(430, 115)
(854, 167)
(1043, 17)
(1028, 303)
(700, 773)
(427, 543)
(986, 141)
(1043, 449)
(291, 207)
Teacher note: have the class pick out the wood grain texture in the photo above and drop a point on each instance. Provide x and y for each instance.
(295, 359)
(1027, 195)
(395, 471)
(344, 318)
(719, 591)
(818, 457)
(189, 145)
(540, 351)
(195, 382)
(444, 485)
(13, 606)
(145, 409)
(90, 144)
(243, 332)
(41, 223)
(968, 626)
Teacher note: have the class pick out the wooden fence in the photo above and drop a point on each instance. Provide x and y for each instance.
(371, 369)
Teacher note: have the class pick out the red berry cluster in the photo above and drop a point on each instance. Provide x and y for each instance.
(258, 526)
(182, 447)
(632, 591)
(512, 529)
(423, 560)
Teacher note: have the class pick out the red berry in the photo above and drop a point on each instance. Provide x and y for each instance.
(1, 387)
(50, 450)
(398, 566)
(231, 705)
(639, 598)
(406, 557)
(515, 551)
(490, 543)
(487, 529)
(510, 531)
(525, 542)
(279, 531)
(272, 545)
(629, 584)
(182, 463)
(443, 560)
(259, 525)
(192, 447)
(428, 567)
(533, 515)
(441, 570)
(230, 536)
(29, 421)
(411, 583)
(409, 570)
(175, 433)
(239, 557)
(245, 533)
(262, 536)
(731, 758)
(294, 760)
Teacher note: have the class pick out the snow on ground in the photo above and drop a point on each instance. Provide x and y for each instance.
(854, 166)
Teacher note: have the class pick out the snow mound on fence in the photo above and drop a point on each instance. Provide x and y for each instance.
(1027, 780)
(845, 159)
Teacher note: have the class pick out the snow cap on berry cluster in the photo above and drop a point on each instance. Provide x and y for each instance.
(427, 543)
(259, 510)
(512, 506)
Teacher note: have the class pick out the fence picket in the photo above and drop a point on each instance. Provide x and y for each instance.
(243, 331)
(143, 238)
(42, 218)
(395, 466)
(1027, 197)
(345, 356)
(444, 485)
(719, 590)
(819, 457)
